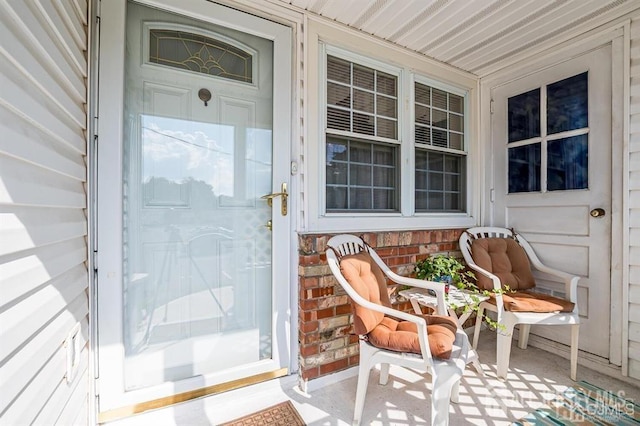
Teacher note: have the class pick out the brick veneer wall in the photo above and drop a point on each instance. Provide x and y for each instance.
(326, 341)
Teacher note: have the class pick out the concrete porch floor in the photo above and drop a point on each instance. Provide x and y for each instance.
(535, 376)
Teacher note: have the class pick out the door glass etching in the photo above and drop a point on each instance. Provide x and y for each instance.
(198, 53)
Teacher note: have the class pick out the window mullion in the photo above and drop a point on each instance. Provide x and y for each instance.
(543, 134)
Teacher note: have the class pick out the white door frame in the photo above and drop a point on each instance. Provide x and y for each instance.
(614, 35)
(109, 220)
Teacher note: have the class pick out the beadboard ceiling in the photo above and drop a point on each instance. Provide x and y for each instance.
(478, 36)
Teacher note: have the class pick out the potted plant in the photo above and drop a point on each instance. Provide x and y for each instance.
(451, 271)
(446, 269)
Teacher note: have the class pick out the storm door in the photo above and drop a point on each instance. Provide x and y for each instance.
(195, 300)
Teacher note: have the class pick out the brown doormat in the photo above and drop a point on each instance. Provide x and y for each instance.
(283, 414)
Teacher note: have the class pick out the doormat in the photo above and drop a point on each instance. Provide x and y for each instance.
(283, 414)
(585, 404)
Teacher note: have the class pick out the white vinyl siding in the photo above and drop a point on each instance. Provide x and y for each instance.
(634, 204)
(43, 223)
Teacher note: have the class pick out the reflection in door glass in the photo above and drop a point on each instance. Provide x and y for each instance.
(524, 116)
(567, 104)
(567, 163)
(197, 271)
(524, 168)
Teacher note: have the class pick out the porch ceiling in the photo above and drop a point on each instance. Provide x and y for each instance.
(478, 36)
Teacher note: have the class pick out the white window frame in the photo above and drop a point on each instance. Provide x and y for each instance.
(464, 93)
(379, 66)
(386, 59)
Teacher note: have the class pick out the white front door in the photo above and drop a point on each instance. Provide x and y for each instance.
(551, 145)
(192, 286)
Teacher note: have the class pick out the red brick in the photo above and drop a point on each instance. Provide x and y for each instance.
(319, 292)
(311, 259)
(309, 304)
(309, 350)
(309, 339)
(308, 327)
(343, 309)
(334, 366)
(325, 313)
(309, 282)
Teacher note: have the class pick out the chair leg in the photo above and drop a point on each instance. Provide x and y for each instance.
(523, 339)
(363, 382)
(384, 373)
(476, 329)
(575, 329)
(446, 382)
(503, 350)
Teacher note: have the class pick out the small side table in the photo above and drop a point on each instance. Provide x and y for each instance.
(454, 300)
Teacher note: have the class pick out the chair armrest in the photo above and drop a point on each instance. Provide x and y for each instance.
(438, 288)
(570, 281)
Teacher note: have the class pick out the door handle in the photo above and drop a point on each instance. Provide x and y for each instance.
(597, 212)
(283, 193)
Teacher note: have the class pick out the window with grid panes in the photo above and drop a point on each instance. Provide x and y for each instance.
(440, 156)
(362, 144)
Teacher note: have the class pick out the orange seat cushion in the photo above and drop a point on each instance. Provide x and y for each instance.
(506, 259)
(524, 301)
(402, 336)
(368, 280)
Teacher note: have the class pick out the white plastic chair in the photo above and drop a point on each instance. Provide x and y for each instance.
(445, 374)
(506, 319)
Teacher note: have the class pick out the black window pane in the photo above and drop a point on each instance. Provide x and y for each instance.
(383, 199)
(337, 198)
(567, 104)
(361, 176)
(360, 199)
(337, 173)
(338, 69)
(386, 84)
(423, 94)
(523, 115)
(363, 123)
(338, 119)
(423, 135)
(338, 95)
(456, 103)
(524, 168)
(567, 163)
(436, 201)
(440, 119)
(360, 152)
(363, 77)
(436, 181)
(439, 137)
(387, 128)
(362, 101)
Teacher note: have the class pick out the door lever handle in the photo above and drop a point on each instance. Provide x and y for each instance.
(283, 193)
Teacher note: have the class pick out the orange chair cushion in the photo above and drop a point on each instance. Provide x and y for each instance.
(368, 280)
(523, 301)
(506, 259)
(402, 336)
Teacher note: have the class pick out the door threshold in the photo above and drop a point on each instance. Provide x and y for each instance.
(130, 410)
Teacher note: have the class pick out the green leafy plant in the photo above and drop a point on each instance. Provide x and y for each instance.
(446, 269)
(449, 269)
